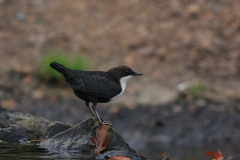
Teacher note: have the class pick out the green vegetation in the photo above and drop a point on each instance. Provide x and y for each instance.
(197, 89)
(2, 141)
(79, 62)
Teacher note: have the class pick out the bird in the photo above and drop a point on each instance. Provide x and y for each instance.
(96, 86)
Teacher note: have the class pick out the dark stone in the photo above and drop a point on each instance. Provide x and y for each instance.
(8, 136)
(116, 153)
(230, 158)
(72, 140)
(57, 127)
(20, 125)
(78, 138)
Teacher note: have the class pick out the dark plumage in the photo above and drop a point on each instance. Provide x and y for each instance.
(96, 86)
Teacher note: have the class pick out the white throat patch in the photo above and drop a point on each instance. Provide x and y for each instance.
(123, 82)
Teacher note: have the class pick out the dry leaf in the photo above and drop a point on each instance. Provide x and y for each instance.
(216, 156)
(100, 142)
(164, 154)
(38, 140)
(165, 157)
(120, 158)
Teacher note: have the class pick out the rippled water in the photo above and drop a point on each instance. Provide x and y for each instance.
(32, 151)
(194, 153)
(17, 151)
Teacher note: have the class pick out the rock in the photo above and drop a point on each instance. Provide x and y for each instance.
(33, 127)
(57, 127)
(156, 94)
(8, 136)
(116, 153)
(20, 125)
(21, 16)
(23, 141)
(193, 9)
(78, 138)
(230, 158)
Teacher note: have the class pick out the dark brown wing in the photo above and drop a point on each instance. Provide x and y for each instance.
(94, 84)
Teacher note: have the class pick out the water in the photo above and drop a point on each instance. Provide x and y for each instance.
(31, 151)
(17, 151)
(34, 152)
(193, 153)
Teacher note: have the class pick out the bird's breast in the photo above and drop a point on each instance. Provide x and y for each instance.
(123, 82)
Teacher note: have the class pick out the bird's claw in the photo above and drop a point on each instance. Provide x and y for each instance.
(108, 123)
(103, 122)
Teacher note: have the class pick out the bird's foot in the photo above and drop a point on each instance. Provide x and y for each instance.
(103, 122)
(107, 123)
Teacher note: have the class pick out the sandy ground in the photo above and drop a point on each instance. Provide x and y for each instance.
(170, 42)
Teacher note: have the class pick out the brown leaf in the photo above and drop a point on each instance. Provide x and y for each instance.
(93, 140)
(100, 143)
(216, 156)
(165, 157)
(120, 158)
(105, 144)
(164, 154)
(36, 140)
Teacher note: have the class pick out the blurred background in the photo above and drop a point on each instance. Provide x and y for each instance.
(188, 51)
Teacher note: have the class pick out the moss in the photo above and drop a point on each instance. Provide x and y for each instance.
(197, 89)
(79, 62)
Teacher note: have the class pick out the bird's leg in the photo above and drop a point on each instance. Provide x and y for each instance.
(87, 104)
(101, 121)
(95, 111)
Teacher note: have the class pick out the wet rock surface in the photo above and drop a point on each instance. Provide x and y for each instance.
(20, 128)
(16, 126)
(78, 138)
(9, 136)
(57, 127)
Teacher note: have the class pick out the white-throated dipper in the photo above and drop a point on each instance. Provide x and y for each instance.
(96, 86)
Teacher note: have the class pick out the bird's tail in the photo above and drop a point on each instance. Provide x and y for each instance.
(60, 68)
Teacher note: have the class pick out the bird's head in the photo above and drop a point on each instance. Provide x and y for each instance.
(123, 71)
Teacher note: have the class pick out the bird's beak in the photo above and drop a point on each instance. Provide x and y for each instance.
(137, 74)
